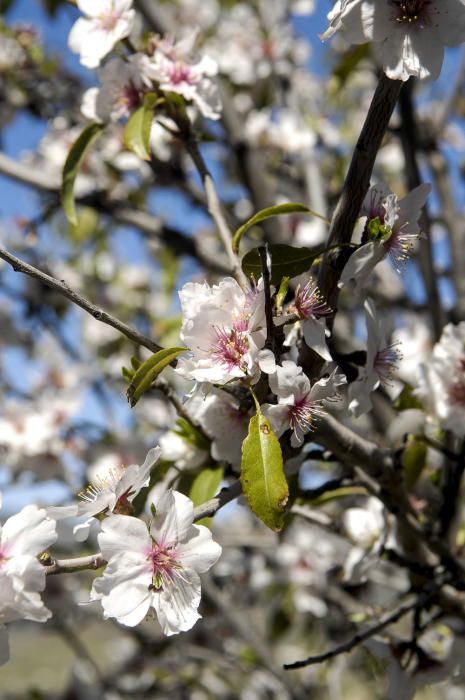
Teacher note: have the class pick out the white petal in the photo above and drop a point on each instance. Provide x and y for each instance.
(29, 532)
(315, 337)
(175, 515)
(200, 552)
(123, 533)
(128, 602)
(176, 605)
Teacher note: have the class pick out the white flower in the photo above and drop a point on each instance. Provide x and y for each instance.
(409, 35)
(366, 528)
(391, 228)
(381, 362)
(173, 68)
(310, 306)
(223, 420)
(225, 330)
(442, 380)
(112, 492)
(107, 22)
(299, 403)
(22, 577)
(156, 566)
(120, 93)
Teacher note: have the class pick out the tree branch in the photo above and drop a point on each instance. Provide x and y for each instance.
(62, 288)
(357, 183)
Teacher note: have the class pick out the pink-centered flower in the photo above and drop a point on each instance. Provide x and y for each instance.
(409, 36)
(225, 331)
(382, 359)
(299, 403)
(106, 23)
(173, 68)
(155, 566)
(312, 309)
(391, 228)
(121, 91)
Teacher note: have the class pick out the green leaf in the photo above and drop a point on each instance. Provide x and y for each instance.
(268, 213)
(71, 168)
(149, 371)
(206, 486)
(407, 399)
(414, 461)
(262, 475)
(136, 135)
(286, 261)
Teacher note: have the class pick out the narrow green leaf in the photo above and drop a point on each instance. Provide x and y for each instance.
(206, 486)
(282, 292)
(268, 213)
(149, 371)
(71, 168)
(262, 475)
(136, 136)
(286, 261)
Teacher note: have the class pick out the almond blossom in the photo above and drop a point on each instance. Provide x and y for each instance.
(111, 492)
(22, 538)
(299, 403)
(155, 566)
(121, 91)
(409, 36)
(172, 67)
(225, 330)
(382, 358)
(106, 23)
(442, 380)
(310, 306)
(391, 228)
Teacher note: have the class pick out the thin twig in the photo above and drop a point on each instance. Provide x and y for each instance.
(214, 208)
(65, 290)
(417, 604)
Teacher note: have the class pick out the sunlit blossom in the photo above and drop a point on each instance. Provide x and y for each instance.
(155, 566)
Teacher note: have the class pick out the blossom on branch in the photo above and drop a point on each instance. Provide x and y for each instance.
(382, 358)
(106, 23)
(172, 67)
(121, 92)
(391, 228)
(225, 330)
(409, 35)
(112, 492)
(155, 566)
(299, 403)
(22, 538)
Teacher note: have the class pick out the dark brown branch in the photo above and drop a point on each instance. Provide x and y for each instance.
(62, 288)
(357, 183)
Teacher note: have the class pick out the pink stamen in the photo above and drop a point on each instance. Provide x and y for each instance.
(163, 562)
(181, 73)
(231, 346)
(386, 362)
(303, 413)
(309, 303)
